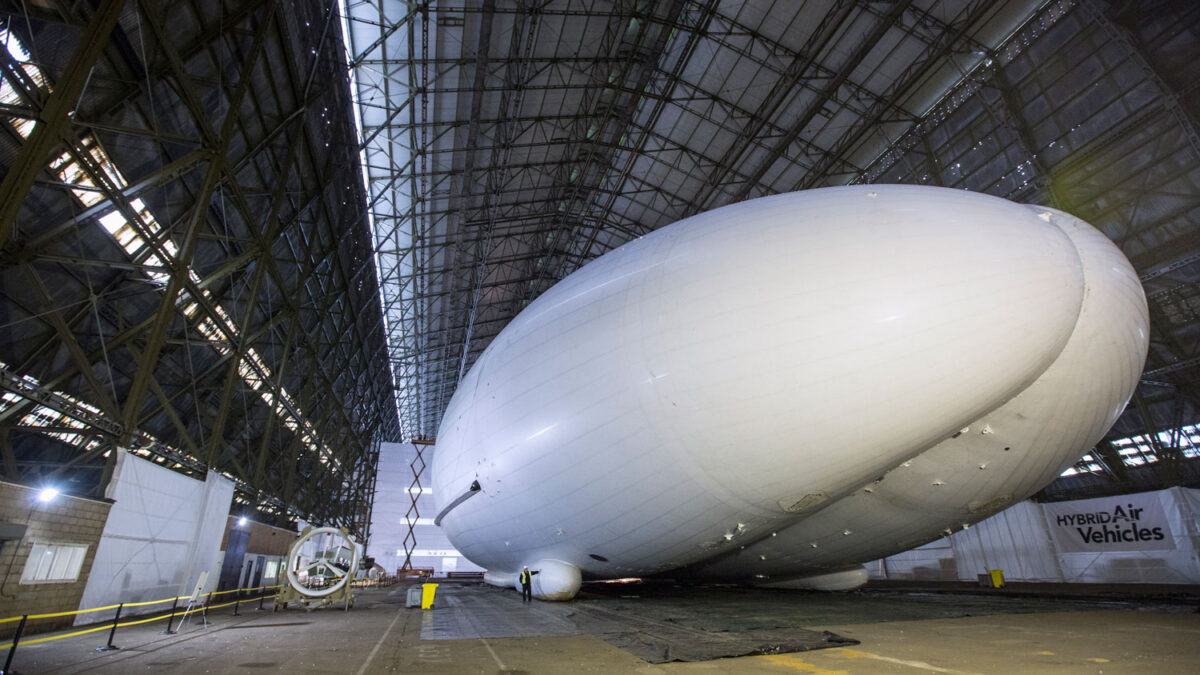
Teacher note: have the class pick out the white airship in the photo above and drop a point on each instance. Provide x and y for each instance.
(779, 390)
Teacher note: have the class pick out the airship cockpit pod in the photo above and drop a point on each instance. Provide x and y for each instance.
(787, 387)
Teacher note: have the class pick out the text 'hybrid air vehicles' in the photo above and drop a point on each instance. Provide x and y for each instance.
(782, 389)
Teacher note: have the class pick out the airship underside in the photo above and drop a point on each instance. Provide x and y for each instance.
(779, 390)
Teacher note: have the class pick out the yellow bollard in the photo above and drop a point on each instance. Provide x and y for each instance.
(997, 578)
(427, 591)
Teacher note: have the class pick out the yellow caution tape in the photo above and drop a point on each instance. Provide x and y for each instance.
(155, 602)
(134, 623)
(223, 604)
(59, 637)
(108, 626)
(78, 611)
(127, 604)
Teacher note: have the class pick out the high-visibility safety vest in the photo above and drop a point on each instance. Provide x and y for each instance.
(525, 577)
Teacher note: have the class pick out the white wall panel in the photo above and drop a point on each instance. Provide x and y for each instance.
(1018, 542)
(932, 562)
(212, 515)
(392, 502)
(163, 529)
(1174, 565)
(1013, 540)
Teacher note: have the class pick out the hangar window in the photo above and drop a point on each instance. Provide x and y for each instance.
(1140, 450)
(132, 237)
(1086, 464)
(8, 93)
(49, 563)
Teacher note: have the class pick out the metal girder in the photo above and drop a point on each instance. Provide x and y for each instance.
(66, 336)
(1168, 466)
(801, 65)
(218, 143)
(275, 227)
(913, 73)
(55, 115)
(167, 173)
(318, 287)
(1186, 118)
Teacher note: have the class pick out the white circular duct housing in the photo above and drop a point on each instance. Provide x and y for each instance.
(328, 559)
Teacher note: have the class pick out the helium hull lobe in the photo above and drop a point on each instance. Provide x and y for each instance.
(999, 459)
(738, 381)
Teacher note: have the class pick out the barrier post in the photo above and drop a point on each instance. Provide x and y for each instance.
(12, 651)
(204, 614)
(262, 594)
(237, 601)
(170, 619)
(111, 633)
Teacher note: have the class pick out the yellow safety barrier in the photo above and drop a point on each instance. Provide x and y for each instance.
(117, 623)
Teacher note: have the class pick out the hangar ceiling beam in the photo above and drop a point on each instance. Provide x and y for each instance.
(131, 117)
(274, 230)
(1186, 118)
(828, 157)
(1168, 464)
(696, 25)
(218, 144)
(1024, 136)
(66, 335)
(239, 201)
(55, 116)
(609, 108)
(6, 451)
(948, 42)
(167, 173)
(273, 422)
(799, 68)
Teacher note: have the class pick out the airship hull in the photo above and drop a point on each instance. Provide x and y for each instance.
(788, 386)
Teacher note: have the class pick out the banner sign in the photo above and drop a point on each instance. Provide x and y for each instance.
(1124, 523)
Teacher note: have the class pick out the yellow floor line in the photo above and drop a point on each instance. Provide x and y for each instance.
(856, 654)
(796, 663)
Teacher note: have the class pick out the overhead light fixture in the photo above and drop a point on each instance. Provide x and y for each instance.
(47, 494)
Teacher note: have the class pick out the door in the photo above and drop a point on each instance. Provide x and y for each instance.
(259, 563)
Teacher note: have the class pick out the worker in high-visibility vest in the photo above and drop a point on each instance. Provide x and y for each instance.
(526, 579)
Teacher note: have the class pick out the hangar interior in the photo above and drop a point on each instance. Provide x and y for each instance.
(250, 247)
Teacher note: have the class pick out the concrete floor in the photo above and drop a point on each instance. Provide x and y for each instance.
(898, 632)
